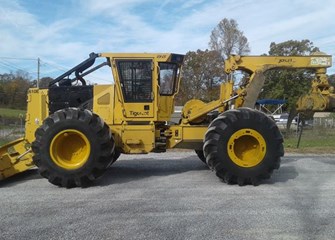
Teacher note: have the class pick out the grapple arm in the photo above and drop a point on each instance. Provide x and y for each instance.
(321, 95)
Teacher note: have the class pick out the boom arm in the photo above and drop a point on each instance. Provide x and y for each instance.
(257, 65)
(251, 64)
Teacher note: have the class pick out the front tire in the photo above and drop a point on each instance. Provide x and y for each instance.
(243, 146)
(116, 155)
(73, 147)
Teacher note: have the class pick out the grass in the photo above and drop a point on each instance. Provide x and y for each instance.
(10, 119)
(317, 140)
(3, 141)
(12, 113)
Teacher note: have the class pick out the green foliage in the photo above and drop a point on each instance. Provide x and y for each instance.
(202, 74)
(13, 89)
(292, 48)
(286, 84)
(331, 79)
(3, 141)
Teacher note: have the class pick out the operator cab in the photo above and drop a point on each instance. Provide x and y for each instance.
(147, 83)
(136, 79)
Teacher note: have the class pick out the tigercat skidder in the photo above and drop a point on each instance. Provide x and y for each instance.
(75, 131)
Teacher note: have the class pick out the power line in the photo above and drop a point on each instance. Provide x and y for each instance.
(55, 66)
(11, 67)
(61, 68)
(28, 59)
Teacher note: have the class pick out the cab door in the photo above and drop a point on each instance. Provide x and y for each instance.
(136, 83)
(168, 84)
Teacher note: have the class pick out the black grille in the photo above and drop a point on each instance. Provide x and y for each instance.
(64, 97)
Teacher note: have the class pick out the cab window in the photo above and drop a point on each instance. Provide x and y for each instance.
(136, 80)
(167, 78)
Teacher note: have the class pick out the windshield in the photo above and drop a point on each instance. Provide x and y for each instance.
(167, 78)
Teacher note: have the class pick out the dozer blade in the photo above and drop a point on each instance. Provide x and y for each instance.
(15, 157)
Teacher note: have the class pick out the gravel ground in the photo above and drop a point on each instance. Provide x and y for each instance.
(174, 196)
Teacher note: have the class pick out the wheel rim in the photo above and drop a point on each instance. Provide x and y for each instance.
(70, 149)
(246, 147)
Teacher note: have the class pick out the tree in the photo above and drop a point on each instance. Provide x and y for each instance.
(289, 84)
(13, 89)
(331, 80)
(227, 39)
(293, 48)
(44, 82)
(202, 73)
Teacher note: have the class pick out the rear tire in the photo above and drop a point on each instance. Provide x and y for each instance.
(73, 147)
(243, 146)
(201, 156)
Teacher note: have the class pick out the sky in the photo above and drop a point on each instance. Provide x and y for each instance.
(63, 32)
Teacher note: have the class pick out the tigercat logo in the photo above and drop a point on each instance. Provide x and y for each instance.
(284, 60)
(136, 114)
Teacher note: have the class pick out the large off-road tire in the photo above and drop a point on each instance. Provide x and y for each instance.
(243, 146)
(73, 147)
(116, 155)
(201, 156)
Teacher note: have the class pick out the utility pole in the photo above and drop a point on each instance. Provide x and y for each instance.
(38, 71)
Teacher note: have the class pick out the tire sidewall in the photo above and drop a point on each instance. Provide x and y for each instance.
(76, 125)
(261, 127)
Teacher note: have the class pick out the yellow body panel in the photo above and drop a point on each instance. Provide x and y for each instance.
(134, 139)
(37, 111)
(165, 108)
(195, 110)
(15, 157)
(186, 136)
(103, 102)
